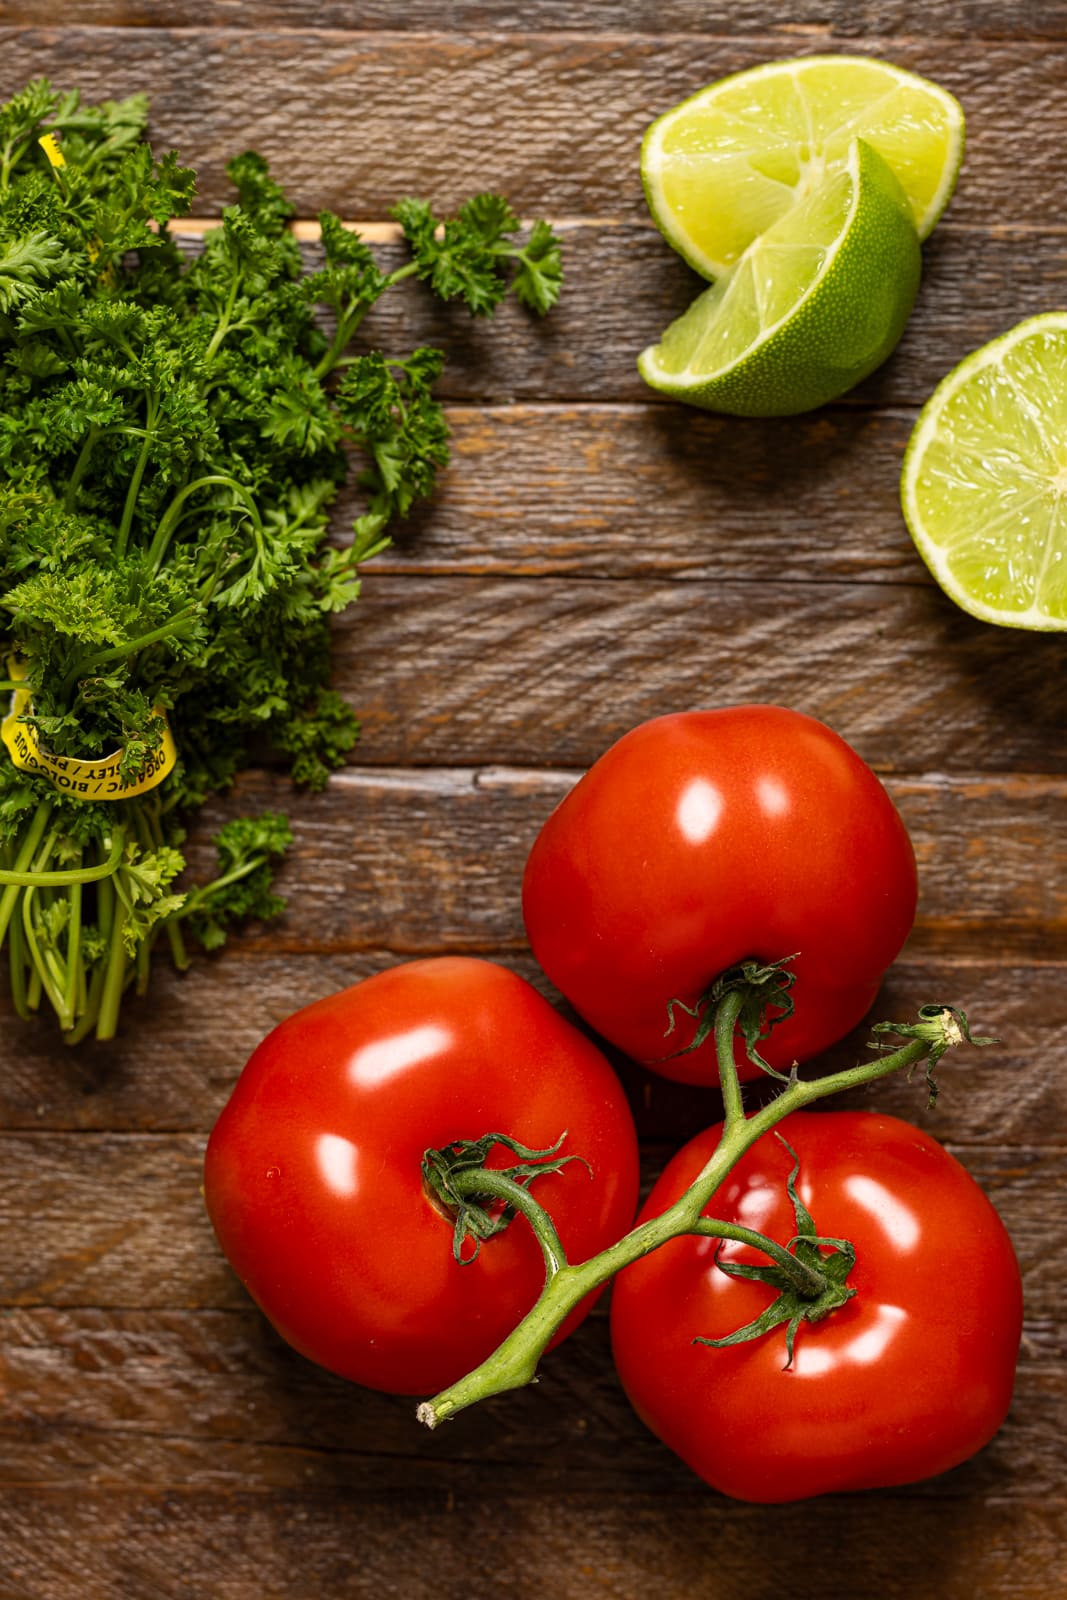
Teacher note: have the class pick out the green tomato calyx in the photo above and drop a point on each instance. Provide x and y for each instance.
(809, 1291)
(942, 1028)
(482, 1201)
(765, 1001)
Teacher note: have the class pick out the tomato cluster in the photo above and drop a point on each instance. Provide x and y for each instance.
(697, 842)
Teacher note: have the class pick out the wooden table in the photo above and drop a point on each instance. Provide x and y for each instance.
(593, 558)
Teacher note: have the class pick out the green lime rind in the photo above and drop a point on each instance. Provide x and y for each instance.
(984, 481)
(844, 324)
(923, 145)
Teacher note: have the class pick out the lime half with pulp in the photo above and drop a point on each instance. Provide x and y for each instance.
(729, 162)
(984, 487)
(814, 304)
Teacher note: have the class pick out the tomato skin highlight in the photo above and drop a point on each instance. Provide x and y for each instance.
(702, 839)
(313, 1182)
(911, 1377)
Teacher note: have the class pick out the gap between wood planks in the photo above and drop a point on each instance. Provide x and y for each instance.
(307, 230)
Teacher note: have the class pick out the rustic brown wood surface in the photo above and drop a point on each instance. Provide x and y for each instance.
(593, 558)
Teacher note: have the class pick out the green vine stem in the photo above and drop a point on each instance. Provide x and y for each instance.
(514, 1362)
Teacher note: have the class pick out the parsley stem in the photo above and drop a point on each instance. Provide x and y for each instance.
(115, 975)
(123, 535)
(196, 897)
(68, 875)
(87, 665)
(14, 151)
(27, 850)
(79, 467)
(17, 954)
(105, 903)
(74, 938)
(350, 318)
(224, 322)
(44, 961)
(169, 521)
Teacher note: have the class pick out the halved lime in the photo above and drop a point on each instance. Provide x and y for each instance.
(984, 487)
(723, 166)
(815, 303)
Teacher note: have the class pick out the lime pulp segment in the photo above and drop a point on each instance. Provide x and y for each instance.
(984, 487)
(725, 165)
(770, 281)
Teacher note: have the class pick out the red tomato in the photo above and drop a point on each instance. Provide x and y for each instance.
(910, 1377)
(313, 1181)
(706, 838)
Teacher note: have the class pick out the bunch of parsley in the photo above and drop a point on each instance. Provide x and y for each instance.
(173, 434)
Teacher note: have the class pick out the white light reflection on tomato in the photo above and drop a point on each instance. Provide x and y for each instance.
(897, 1221)
(338, 1162)
(772, 796)
(386, 1058)
(699, 810)
(811, 1358)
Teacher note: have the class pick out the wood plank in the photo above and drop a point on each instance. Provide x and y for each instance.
(431, 1542)
(354, 121)
(455, 670)
(615, 491)
(464, 835)
(117, 1221)
(212, 1019)
(829, 22)
(623, 285)
(158, 1400)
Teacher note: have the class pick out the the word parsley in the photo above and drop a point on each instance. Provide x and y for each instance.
(173, 434)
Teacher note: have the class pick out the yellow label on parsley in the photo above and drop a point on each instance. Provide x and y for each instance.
(50, 145)
(82, 780)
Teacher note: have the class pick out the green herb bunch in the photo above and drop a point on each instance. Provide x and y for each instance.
(173, 434)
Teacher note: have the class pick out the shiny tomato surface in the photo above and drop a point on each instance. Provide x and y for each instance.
(910, 1377)
(706, 838)
(313, 1181)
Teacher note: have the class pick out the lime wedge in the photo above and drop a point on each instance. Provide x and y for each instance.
(725, 165)
(814, 304)
(984, 487)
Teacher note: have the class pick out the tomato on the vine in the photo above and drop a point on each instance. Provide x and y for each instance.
(908, 1378)
(313, 1171)
(701, 840)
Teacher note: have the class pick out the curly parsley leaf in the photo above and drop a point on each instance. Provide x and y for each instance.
(468, 257)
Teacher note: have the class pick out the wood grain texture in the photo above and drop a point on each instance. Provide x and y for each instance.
(171, 1545)
(211, 1019)
(464, 835)
(826, 22)
(622, 491)
(116, 1221)
(552, 120)
(91, 1403)
(457, 670)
